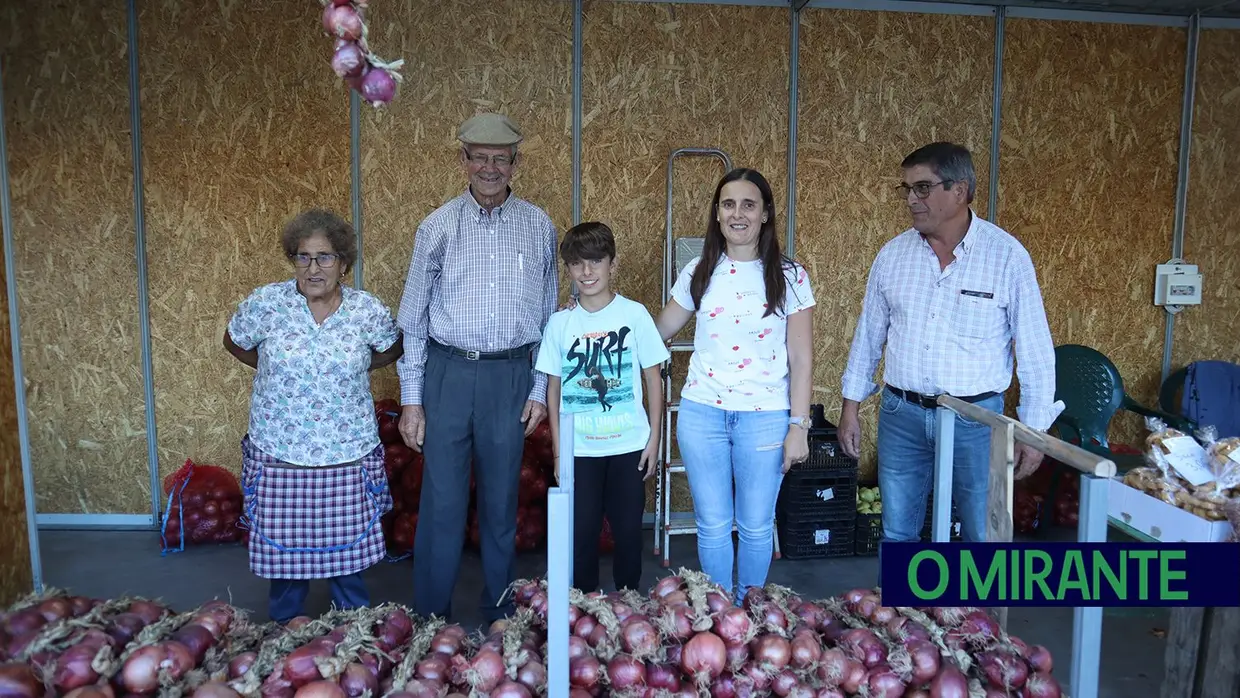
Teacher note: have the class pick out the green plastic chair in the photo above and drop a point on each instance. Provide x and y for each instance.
(1092, 391)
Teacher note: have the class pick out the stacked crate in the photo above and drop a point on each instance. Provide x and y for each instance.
(816, 512)
(869, 528)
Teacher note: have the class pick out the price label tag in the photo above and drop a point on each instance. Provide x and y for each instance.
(1188, 459)
(822, 536)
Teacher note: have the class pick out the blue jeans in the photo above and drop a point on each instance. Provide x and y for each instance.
(907, 434)
(287, 597)
(719, 448)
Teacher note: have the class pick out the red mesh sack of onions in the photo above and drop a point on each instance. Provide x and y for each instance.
(204, 506)
(352, 59)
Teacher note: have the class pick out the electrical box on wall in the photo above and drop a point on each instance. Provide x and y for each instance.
(1177, 285)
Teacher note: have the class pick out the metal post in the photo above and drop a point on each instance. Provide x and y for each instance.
(577, 22)
(15, 339)
(1182, 174)
(355, 167)
(1087, 621)
(794, 78)
(560, 564)
(944, 460)
(996, 109)
(144, 295)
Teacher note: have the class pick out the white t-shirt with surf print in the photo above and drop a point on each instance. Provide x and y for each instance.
(740, 357)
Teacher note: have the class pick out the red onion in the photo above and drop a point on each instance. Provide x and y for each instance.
(736, 654)
(855, 676)
(214, 689)
(19, 680)
(240, 664)
(925, 661)
(148, 611)
(665, 586)
(783, 683)
(724, 686)
(577, 647)
(832, 666)
(772, 652)
(320, 689)
(343, 22)
(639, 637)
(806, 649)
(358, 679)
(1040, 659)
(861, 644)
(534, 675)
(867, 605)
(882, 682)
(348, 60)
(733, 625)
(55, 608)
(196, 638)
(662, 676)
(758, 677)
(950, 682)
(830, 692)
(1041, 686)
(73, 668)
(716, 602)
(676, 623)
(511, 689)
(883, 615)
(704, 654)
(486, 670)
(1003, 670)
(584, 626)
(948, 616)
(584, 672)
(625, 672)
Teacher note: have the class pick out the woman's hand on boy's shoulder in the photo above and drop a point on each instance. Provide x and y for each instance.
(569, 304)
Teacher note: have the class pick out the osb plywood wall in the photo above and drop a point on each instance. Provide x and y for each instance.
(67, 108)
(874, 87)
(1212, 226)
(1087, 177)
(513, 56)
(660, 77)
(239, 136)
(16, 577)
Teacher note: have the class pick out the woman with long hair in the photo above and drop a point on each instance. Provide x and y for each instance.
(744, 407)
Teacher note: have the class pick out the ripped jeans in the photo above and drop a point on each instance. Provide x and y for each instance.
(720, 448)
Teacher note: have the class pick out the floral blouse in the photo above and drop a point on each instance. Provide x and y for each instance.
(311, 402)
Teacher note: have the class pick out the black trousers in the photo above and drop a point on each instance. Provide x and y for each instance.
(473, 410)
(611, 486)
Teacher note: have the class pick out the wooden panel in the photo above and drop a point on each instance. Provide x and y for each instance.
(512, 56)
(660, 77)
(244, 125)
(67, 110)
(1212, 226)
(16, 578)
(874, 87)
(1090, 128)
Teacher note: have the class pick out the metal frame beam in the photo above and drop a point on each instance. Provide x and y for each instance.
(996, 114)
(108, 522)
(1220, 22)
(933, 8)
(144, 294)
(1182, 176)
(794, 78)
(15, 339)
(355, 179)
(578, 21)
(1104, 17)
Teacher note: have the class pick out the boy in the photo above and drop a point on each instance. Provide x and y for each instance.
(592, 354)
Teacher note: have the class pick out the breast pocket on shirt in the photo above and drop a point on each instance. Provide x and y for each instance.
(529, 276)
(978, 317)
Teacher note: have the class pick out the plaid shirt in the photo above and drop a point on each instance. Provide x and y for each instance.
(482, 281)
(951, 331)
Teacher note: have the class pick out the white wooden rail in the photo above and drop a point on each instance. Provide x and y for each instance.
(1095, 471)
(560, 563)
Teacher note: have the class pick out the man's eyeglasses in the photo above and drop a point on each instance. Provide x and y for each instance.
(922, 189)
(326, 261)
(497, 160)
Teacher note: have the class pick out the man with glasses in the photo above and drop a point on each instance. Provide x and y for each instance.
(947, 299)
(482, 283)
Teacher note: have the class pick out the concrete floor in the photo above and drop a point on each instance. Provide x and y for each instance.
(109, 564)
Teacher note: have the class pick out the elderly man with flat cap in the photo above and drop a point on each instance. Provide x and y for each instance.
(482, 283)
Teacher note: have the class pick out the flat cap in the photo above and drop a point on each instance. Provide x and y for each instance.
(489, 129)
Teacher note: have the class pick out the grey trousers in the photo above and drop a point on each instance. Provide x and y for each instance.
(473, 409)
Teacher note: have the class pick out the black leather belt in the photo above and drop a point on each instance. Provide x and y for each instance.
(521, 352)
(930, 402)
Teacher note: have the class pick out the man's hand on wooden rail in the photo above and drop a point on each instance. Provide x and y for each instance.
(1026, 459)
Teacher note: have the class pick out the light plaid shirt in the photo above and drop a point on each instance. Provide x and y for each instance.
(952, 331)
(478, 281)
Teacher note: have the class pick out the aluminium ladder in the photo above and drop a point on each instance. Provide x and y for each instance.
(677, 252)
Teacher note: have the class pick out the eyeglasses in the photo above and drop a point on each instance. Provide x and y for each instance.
(497, 160)
(326, 261)
(922, 189)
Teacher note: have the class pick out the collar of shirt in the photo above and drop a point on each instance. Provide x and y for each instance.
(481, 214)
(966, 243)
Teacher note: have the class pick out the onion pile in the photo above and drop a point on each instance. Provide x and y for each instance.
(352, 60)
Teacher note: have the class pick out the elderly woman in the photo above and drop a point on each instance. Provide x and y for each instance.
(312, 463)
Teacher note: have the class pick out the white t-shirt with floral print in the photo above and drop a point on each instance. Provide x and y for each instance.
(311, 403)
(740, 358)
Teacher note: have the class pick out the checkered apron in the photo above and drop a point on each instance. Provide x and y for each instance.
(313, 523)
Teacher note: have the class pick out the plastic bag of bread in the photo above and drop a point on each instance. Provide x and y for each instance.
(1223, 458)
(1176, 453)
(1232, 510)
(1151, 481)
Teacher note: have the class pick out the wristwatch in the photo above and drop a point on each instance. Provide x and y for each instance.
(799, 422)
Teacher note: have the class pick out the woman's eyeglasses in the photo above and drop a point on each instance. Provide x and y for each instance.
(326, 261)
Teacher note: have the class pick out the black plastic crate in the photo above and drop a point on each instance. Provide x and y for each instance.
(869, 531)
(817, 539)
(813, 496)
(825, 454)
